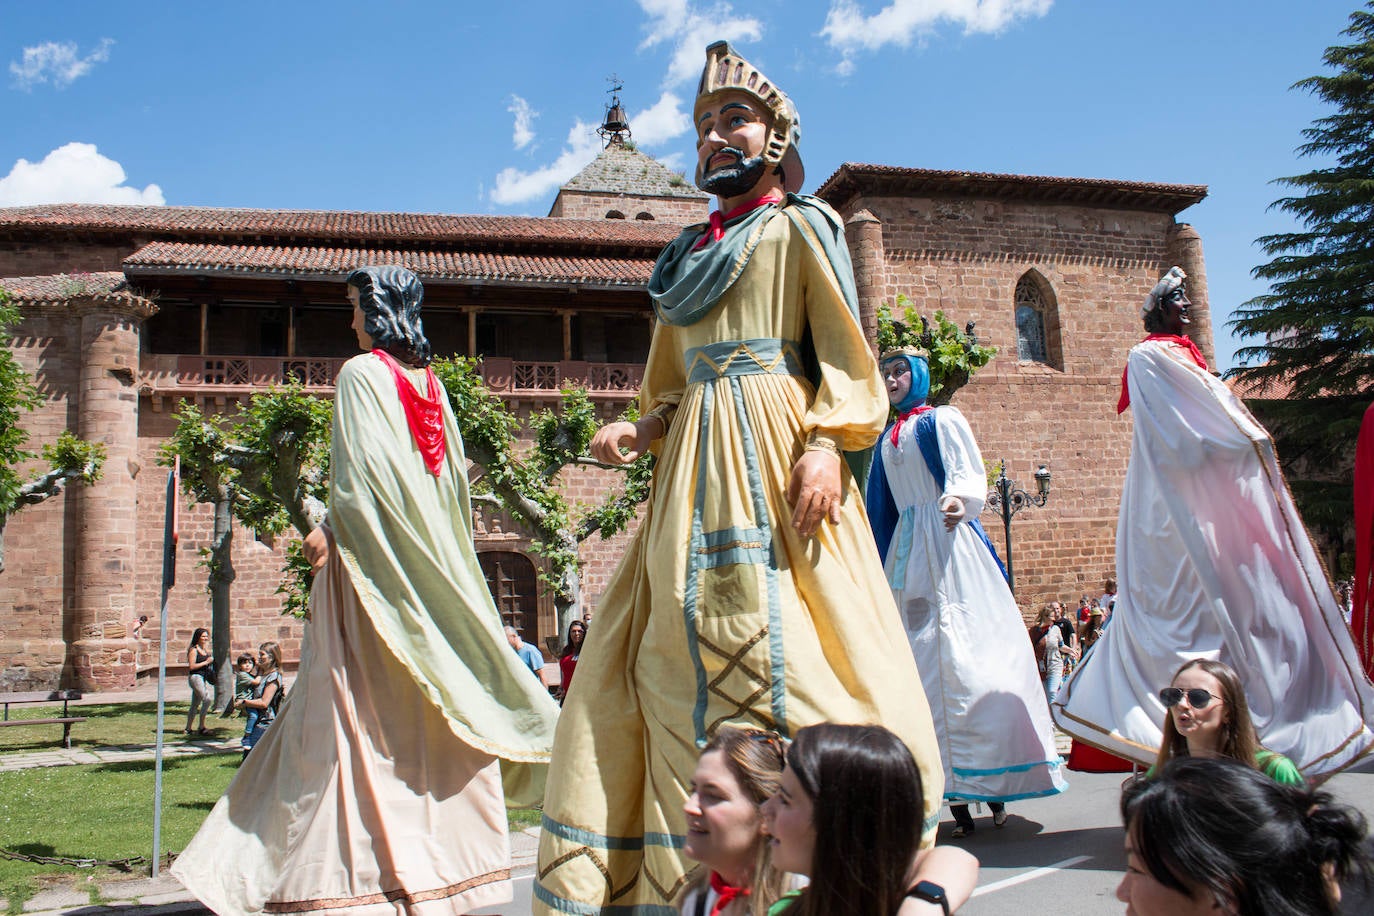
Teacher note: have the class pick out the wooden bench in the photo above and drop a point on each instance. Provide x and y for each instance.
(43, 696)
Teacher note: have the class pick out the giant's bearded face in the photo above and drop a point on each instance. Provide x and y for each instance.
(732, 130)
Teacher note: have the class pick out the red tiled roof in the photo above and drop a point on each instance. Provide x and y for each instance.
(857, 178)
(105, 284)
(183, 257)
(338, 224)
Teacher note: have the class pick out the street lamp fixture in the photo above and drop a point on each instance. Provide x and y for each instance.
(1010, 499)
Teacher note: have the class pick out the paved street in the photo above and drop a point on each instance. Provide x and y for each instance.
(1060, 856)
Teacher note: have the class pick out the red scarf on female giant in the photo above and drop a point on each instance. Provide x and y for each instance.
(907, 415)
(424, 415)
(1180, 340)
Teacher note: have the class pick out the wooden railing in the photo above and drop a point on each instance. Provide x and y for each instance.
(232, 375)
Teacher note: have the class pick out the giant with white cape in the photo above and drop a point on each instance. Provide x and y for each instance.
(1213, 561)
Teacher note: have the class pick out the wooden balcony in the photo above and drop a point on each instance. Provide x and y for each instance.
(223, 378)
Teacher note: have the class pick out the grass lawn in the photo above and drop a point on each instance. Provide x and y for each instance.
(102, 811)
(106, 725)
(105, 811)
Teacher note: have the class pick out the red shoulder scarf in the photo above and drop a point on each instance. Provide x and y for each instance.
(424, 415)
(1177, 339)
(715, 228)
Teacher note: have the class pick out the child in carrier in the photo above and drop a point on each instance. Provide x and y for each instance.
(245, 679)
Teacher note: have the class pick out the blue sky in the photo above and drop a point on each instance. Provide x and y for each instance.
(459, 107)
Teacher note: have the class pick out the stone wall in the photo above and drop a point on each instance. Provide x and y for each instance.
(62, 256)
(39, 559)
(595, 205)
(965, 257)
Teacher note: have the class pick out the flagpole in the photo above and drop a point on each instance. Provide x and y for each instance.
(169, 576)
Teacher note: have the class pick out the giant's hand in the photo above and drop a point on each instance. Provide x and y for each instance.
(952, 508)
(317, 547)
(814, 491)
(634, 437)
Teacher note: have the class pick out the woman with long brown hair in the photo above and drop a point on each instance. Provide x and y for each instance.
(740, 769)
(1209, 717)
(848, 816)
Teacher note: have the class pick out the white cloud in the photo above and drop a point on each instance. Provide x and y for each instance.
(681, 27)
(73, 174)
(514, 186)
(661, 121)
(849, 30)
(524, 121)
(688, 30)
(57, 63)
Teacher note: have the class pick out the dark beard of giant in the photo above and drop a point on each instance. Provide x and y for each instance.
(733, 180)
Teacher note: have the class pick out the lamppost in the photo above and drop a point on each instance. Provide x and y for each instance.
(1011, 499)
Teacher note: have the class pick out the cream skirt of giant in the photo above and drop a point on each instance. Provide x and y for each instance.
(359, 799)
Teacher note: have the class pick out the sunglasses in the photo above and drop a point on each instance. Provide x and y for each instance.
(1198, 698)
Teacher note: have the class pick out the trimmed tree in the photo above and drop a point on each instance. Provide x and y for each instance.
(69, 458)
(1314, 355)
(954, 355)
(270, 471)
(526, 484)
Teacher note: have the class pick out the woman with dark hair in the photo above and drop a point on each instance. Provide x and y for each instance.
(1217, 836)
(379, 785)
(199, 661)
(1208, 717)
(567, 660)
(848, 816)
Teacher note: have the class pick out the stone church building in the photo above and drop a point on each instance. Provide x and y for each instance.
(128, 310)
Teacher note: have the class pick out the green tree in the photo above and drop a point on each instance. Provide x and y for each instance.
(954, 355)
(69, 458)
(1312, 364)
(269, 471)
(526, 484)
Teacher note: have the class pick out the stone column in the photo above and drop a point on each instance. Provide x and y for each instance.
(100, 652)
(864, 232)
(1185, 250)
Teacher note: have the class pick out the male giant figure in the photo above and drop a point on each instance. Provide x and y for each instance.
(751, 593)
(1213, 561)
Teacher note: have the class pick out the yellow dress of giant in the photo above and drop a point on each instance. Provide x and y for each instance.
(720, 612)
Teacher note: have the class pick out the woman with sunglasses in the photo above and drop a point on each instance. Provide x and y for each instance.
(848, 816)
(1208, 717)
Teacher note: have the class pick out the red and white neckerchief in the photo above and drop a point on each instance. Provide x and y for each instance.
(424, 415)
(726, 893)
(907, 415)
(716, 229)
(1179, 340)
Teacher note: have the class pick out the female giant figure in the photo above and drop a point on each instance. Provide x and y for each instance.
(378, 788)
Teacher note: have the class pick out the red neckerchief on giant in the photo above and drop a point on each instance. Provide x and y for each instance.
(424, 416)
(903, 417)
(716, 229)
(726, 893)
(1177, 339)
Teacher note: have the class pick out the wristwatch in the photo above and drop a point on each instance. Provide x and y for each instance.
(930, 892)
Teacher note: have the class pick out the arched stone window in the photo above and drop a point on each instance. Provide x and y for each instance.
(614, 214)
(514, 586)
(1037, 321)
(645, 215)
